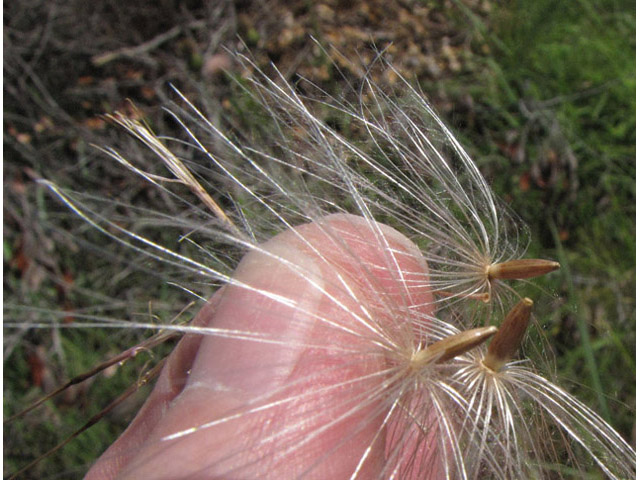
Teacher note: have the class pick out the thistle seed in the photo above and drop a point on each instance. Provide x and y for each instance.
(509, 337)
(520, 269)
(452, 346)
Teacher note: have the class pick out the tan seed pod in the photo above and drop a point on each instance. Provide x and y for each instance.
(509, 337)
(521, 269)
(452, 346)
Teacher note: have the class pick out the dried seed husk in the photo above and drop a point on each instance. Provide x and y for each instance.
(506, 342)
(452, 346)
(520, 269)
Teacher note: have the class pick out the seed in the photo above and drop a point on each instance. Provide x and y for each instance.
(509, 337)
(452, 346)
(519, 269)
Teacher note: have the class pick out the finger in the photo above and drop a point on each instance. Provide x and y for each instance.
(269, 406)
(169, 384)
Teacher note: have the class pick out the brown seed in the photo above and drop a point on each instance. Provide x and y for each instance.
(506, 342)
(519, 269)
(452, 346)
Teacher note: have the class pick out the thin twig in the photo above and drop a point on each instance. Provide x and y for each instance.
(147, 377)
(146, 47)
(128, 354)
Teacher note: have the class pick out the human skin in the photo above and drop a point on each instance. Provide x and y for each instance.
(214, 377)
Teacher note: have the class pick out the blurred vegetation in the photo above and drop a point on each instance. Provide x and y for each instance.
(557, 99)
(542, 94)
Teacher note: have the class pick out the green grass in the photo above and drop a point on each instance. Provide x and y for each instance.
(558, 89)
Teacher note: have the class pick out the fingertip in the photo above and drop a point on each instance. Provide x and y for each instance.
(280, 386)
